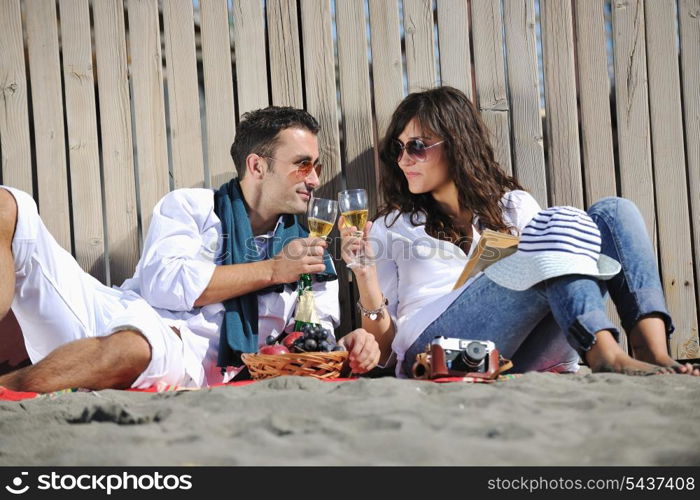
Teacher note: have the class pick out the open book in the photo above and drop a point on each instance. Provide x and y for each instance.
(491, 247)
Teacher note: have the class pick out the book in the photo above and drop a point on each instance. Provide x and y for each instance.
(492, 246)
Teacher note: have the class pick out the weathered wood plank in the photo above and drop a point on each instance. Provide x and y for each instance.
(675, 249)
(594, 86)
(453, 38)
(355, 101)
(149, 106)
(632, 109)
(285, 56)
(387, 69)
(115, 130)
(420, 44)
(321, 91)
(565, 183)
(15, 147)
(523, 86)
(183, 95)
(218, 89)
(356, 109)
(83, 148)
(490, 79)
(689, 25)
(47, 104)
(251, 65)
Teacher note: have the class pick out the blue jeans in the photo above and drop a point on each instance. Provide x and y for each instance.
(547, 326)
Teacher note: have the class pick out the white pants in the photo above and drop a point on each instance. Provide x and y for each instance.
(56, 302)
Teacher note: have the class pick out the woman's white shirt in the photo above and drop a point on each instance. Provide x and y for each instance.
(417, 272)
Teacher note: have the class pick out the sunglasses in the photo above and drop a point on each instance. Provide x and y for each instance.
(415, 149)
(304, 167)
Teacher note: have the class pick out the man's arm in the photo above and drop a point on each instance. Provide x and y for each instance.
(304, 255)
(236, 280)
(177, 270)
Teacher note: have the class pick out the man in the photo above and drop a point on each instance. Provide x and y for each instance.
(198, 274)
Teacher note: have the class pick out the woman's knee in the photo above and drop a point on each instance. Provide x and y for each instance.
(615, 206)
(619, 213)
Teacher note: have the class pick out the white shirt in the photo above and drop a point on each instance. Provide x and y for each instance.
(177, 264)
(417, 272)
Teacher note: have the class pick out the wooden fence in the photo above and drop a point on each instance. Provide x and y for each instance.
(107, 105)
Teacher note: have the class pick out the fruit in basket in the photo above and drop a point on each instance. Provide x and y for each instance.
(291, 338)
(298, 345)
(308, 337)
(274, 349)
(310, 344)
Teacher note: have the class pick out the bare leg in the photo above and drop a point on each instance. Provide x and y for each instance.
(8, 221)
(648, 341)
(606, 355)
(112, 362)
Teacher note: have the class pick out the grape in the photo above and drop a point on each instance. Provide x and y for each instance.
(299, 345)
(324, 346)
(310, 344)
(271, 339)
(339, 347)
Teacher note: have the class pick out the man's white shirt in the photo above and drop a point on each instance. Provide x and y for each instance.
(177, 263)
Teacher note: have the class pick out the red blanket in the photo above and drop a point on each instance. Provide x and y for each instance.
(8, 395)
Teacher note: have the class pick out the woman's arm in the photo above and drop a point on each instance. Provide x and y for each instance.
(371, 295)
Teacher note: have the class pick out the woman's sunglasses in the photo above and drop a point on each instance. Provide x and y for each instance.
(415, 149)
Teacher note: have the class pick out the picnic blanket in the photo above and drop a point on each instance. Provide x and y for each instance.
(9, 395)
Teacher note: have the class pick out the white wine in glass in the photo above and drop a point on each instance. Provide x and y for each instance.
(353, 207)
(322, 214)
(319, 228)
(357, 218)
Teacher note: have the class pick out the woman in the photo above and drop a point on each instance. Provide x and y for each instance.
(442, 186)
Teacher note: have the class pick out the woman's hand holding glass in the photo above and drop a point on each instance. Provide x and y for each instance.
(354, 210)
(354, 243)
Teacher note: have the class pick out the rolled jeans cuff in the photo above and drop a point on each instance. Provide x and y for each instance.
(643, 302)
(581, 334)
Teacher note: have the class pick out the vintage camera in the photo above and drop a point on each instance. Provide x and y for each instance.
(452, 357)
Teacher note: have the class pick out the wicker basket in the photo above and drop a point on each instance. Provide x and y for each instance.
(324, 365)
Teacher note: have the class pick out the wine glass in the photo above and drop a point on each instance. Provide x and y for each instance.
(353, 207)
(321, 217)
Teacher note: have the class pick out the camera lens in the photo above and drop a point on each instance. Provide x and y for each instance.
(474, 354)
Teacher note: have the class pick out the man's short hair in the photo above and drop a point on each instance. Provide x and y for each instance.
(258, 132)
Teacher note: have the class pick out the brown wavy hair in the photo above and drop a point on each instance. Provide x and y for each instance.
(481, 183)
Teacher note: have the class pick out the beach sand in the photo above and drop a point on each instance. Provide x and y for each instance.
(538, 419)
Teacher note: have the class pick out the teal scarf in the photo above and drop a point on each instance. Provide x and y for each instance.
(239, 331)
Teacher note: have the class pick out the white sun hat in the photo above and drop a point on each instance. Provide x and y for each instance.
(556, 242)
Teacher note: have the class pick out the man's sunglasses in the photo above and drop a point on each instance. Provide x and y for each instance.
(304, 167)
(415, 148)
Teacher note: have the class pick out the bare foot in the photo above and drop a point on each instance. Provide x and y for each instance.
(664, 359)
(649, 343)
(607, 356)
(660, 357)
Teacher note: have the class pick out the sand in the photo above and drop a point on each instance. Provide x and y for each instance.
(538, 419)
